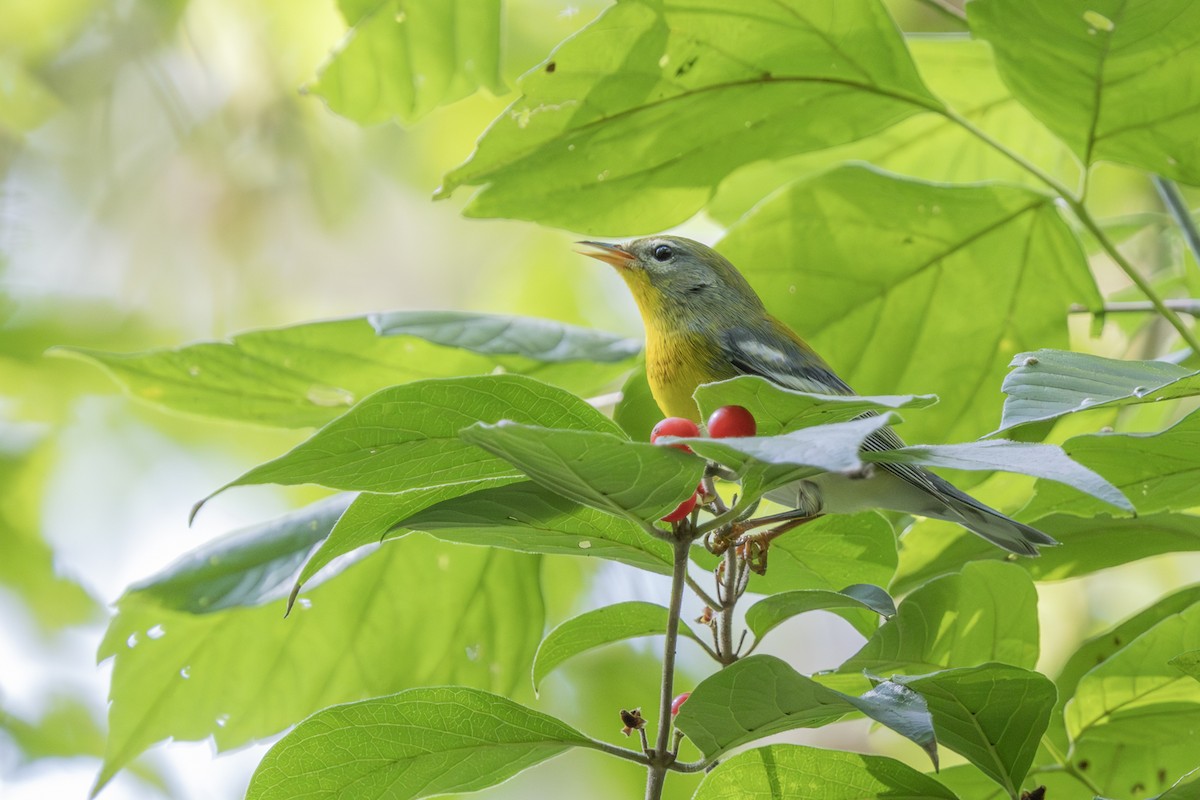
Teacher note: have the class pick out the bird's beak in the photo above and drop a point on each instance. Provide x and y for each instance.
(610, 253)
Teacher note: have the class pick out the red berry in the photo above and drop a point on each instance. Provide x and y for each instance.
(677, 702)
(675, 426)
(682, 510)
(729, 421)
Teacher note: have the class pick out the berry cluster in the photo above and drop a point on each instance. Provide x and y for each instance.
(725, 422)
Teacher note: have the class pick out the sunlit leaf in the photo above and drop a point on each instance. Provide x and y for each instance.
(861, 605)
(641, 482)
(761, 695)
(403, 58)
(991, 269)
(993, 714)
(769, 773)
(305, 375)
(407, 437)
(961, 72)
(1113, 78)
(418, 743)
(1047, 384)
(599, 627)
(1045, 461)
(986, 612)
(172, 670)
(1087, 544)
(780, 410)
(630, 124)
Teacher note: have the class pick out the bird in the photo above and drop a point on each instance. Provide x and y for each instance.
(705, 323)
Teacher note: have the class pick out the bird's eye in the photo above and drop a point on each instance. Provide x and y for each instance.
(663, 253)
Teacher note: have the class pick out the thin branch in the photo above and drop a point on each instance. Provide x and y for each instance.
(1085, 218)
(619, 752)
(661, 758)
(692, 766)
(1173, 199)
(1189, 306)
(703, 595)
(1070, 768)
(729, 583)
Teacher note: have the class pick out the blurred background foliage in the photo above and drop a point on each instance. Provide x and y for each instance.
(172, 170)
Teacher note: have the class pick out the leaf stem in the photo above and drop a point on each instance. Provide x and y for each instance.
(619, 752)
(1085, 218)
(703, 595)
(1173, 199)
(661, 758)
(1069, 768)
(1185, 305)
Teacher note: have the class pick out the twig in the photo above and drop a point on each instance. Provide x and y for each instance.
(660, 758)
(1188, 305)
(703, 595)
(1173, 199)
(619, 752)
(729, 583)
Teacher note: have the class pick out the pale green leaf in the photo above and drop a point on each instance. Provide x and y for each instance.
(986, 612)
(1159, 471)
(778, 771)
(403, 58)
(780, 410)
(955, 281)
(599, 627)
(418, 743)
(1045, 461)
(1047, 384)
(641, 482)
(407, 437)
(993, 714)
(631, 123)
(540, 340)
(1113, 78)
(761, 695)
(637, 413)
(305, 375)
(173, 671)
(861, 605)
(1188, 663)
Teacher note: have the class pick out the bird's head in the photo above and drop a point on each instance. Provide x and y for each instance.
(671, 275)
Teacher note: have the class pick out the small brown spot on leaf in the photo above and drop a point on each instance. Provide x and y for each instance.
(551, 66)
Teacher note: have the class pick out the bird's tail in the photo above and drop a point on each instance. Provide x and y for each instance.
(961, 508)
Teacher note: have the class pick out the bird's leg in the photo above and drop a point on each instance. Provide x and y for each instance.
(753, 546)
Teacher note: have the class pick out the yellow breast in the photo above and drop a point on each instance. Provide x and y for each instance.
(675, 365)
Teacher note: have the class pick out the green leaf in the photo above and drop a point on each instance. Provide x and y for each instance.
(1138, 688)
(599, 627)
(1002, 252)
(1160, 471)
(783, 770)
(1186, 788)
(778, 410)
(367, 520)
(849, 603)
(306, 375)
(986, 612)
(637, 413)
(1188, 663)
(828, 553)
(1088, 544)
(532, 519)
(541, 340)
(1113, 78)
(993, 714)
(1135, 714)
(631, 123)
(638, 481)
(249, 567)
(1045, 461)
(1048, 384)
(403, 58)
(25, 101)
(761, 695)
(932, 147)
(407, 437)
(418, 743)
(172, 669)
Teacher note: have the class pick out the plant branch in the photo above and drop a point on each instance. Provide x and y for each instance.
(692, 766)
(1085, 218)
(660, 757)
(703, 595)
(619, 752)
(1173, 199)
(729, 582)
(1069, 768)
(1187, 305)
